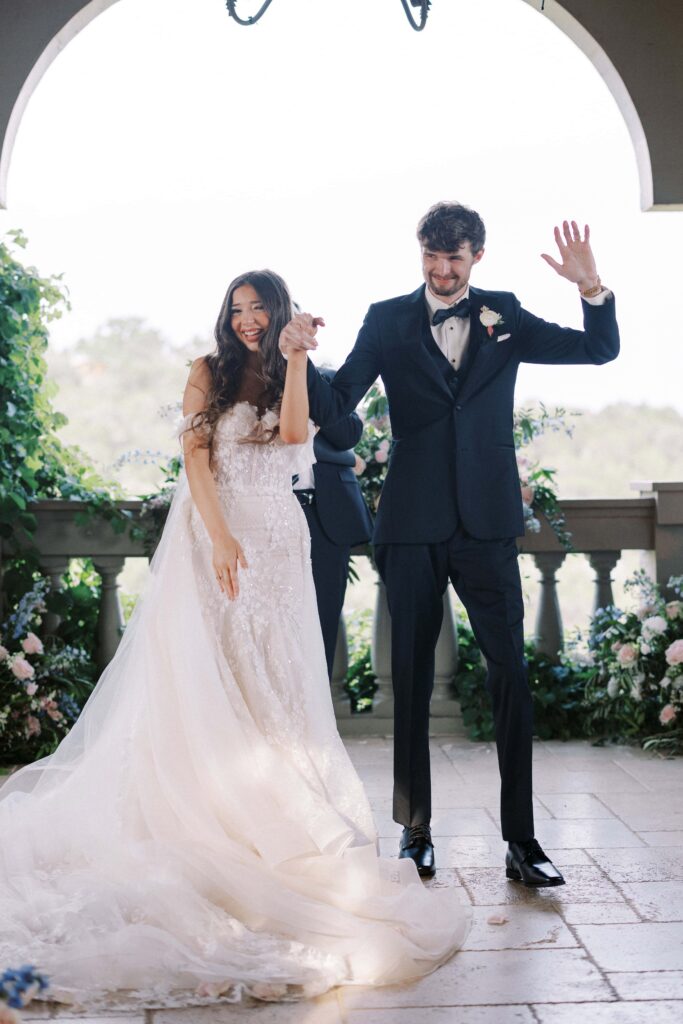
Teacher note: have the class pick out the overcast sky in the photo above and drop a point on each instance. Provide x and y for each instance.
(167, 149)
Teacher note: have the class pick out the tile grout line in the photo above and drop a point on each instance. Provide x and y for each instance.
(617, 886)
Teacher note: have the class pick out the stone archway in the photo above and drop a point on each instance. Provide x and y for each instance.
(633, 45)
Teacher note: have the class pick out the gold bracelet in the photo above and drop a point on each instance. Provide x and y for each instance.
(590, 293)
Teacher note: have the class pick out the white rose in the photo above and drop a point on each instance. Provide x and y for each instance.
(664, 682)
(654, 626)
(488, 317)
(645, 648)
(612, 686)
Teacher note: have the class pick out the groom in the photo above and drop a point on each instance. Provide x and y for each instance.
(451, 505)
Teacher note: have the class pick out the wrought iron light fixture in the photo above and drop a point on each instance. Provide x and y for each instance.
(416, 20)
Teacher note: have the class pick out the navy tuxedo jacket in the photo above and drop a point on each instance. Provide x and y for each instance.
(453, 457)
(342, 511)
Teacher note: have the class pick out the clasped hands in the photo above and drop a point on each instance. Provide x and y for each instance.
(300, 334)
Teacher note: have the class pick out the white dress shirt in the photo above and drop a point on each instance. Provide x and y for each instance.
(452, 335)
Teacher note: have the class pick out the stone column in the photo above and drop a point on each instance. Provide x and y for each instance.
(54, 566)
(110, 618)
(383, 705)
(443, 703)
(602, 563)
(668, 498)
(340, 698)
(549, 633)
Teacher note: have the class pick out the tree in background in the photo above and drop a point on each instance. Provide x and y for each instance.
(119, 390)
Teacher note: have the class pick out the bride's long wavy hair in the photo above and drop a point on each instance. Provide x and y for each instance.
(226, 363)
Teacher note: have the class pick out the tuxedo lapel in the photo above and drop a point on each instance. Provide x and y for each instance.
(484, 355)
(411, 318)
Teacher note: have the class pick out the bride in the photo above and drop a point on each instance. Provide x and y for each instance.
(201, 833)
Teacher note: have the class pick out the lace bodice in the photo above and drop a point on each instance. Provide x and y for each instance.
(242, 466)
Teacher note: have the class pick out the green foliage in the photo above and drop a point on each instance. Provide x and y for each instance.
(360, 682)
(34, 463)
(557, 693)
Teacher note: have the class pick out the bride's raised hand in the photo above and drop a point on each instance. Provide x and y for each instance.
(228, 556)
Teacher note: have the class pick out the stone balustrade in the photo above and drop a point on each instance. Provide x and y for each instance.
(601, 529)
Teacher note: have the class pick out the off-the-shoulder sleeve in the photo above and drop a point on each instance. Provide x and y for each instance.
(185, 423)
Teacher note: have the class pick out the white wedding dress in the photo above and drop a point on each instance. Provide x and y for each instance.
(201, 832)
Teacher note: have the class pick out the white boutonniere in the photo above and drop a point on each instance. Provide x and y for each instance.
(490, 319)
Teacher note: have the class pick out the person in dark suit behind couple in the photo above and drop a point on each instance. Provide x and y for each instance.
(451, 504)
(337, 517)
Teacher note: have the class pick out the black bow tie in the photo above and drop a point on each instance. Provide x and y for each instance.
(461, 309)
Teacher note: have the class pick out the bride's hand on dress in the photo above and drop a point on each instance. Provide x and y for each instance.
(228, 557)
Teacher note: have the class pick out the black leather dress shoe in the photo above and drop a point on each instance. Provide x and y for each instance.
(527, 863)
(416, 843)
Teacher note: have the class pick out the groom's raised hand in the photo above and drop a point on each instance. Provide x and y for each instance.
(578, 262)
(300, 333)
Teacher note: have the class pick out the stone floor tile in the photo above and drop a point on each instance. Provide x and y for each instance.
(585, 884)
(587, 833)
(611, 1013)
(490, 978)
(656, 901)
(649, 864)
(575, 805)
(652, 811)
(650, 985)
(110, 1018)
(326, 1010)
(443, 1015)
(598, 913)
(633, 947)
(662, 838)
(527, 927)
(599, 779)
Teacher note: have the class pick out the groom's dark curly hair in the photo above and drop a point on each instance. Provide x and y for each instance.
(446, 226)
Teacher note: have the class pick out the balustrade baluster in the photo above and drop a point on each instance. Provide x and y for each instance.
(443, 703)
(54, 566)
(110, 618)
(602, 563)
(549, 633)
(340, 666)
(383, 704)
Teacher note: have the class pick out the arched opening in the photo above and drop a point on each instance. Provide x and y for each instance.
(609, 34)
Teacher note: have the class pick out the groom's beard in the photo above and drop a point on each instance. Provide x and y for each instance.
(446, 289)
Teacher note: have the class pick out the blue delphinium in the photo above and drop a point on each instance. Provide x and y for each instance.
(16, 986)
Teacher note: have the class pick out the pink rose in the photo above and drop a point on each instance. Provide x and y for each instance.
(4, 653)
(674, 609)
(32, 644)
(667, 714)
(627, 654)
(674, 653)
(32, 726)
(31, 688)
(21, 668)
(382, 453)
